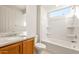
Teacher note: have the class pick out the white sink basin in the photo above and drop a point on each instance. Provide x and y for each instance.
(9, 39)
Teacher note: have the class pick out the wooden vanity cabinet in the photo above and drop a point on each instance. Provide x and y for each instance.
(12, 49)
(24, 47)
(28, 46)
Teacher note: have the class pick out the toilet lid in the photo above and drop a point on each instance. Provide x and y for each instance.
(40, 45)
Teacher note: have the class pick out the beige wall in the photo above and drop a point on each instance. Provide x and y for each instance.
(31, 18)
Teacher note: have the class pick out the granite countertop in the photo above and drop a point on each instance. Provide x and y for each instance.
(10, 40)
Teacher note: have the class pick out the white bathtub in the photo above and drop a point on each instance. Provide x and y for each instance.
(61, 47)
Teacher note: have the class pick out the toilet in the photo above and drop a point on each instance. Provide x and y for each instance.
(40, 47)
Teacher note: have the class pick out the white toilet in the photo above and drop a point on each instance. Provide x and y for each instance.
(40, 47)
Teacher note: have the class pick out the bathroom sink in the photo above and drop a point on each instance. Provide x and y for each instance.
(9, 39)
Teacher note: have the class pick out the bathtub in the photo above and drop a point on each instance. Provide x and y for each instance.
(56, 46)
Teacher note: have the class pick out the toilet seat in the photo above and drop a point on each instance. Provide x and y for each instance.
(40, 45)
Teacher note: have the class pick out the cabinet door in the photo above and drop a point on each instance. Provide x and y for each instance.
(3, 52)
(28, 46)
(12, 49)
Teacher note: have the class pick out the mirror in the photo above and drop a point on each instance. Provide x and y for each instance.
(12, 18)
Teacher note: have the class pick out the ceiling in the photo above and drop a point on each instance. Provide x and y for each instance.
(48, 7)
